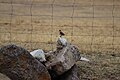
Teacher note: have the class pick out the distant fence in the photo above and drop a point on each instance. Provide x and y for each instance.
(93, 25)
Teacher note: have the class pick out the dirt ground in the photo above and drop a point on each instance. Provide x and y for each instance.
(102, 67)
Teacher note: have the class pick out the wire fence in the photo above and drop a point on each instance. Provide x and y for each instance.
(93, 25)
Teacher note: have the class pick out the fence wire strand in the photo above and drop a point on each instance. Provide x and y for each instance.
(11, 21)
(91, 47)
(72, 20)
(31, 22)
(113, 26)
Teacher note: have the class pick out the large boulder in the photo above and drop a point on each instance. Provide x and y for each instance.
(71, 74)
(62, 60)
(18, 64)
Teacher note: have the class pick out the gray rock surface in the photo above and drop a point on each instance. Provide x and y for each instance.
(18, 64)
(71, 74)
(63, 59)
(4, 77)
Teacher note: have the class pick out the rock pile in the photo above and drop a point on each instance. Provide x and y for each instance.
(18, 64)
(62, 61)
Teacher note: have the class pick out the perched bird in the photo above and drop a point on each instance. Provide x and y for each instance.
(61, 33)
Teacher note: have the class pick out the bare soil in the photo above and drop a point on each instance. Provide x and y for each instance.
(102, 67)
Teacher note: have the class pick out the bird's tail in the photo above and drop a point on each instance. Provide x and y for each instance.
(84, 59)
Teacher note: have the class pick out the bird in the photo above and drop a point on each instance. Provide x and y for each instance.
(61, 33)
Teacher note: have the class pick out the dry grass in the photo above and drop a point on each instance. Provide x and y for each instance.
(102, 67)
(83, 31)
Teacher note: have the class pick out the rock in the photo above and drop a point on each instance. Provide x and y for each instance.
(61, 42)
(39, 54)
(84, 59)
(4, 77)
(18, 64)
(71, 74)
(64, 60)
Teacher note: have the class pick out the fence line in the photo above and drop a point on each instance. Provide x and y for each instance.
(76, 20)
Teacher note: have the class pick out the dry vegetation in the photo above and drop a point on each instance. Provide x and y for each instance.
(102, 67)
(35, 31)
